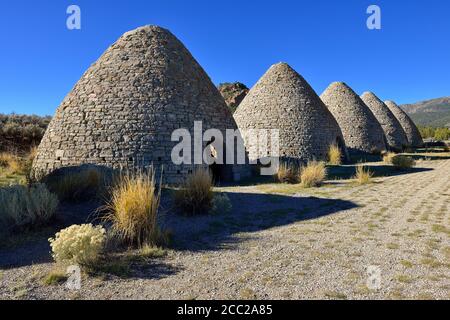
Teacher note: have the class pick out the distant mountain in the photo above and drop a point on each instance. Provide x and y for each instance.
(434, 113)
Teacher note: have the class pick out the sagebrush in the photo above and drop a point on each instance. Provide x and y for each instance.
(23, 206)
(21, 132)
(79, 244)
(401, 162)
(221, 204)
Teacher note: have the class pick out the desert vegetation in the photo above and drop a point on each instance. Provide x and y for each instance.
(400, 162)
(134, 207)
(26, 207)
(195, 195)
(363, 175)
(127, 236)
(21, 132)
(334, 155)
(313, 174)
(78, 244)
(439, 134)
(78, 185)
(288, 173)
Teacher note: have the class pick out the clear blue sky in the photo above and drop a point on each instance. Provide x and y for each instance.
(324, 40)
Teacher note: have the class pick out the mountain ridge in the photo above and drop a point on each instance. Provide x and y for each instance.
(433, 112)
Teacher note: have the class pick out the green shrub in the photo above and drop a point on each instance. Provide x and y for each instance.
(403, 162)
(221, 204)
(79, 244)
(133, 209)
(288, 173)
(195, 196)
(313, 174)
(23, 206)
(440, 134)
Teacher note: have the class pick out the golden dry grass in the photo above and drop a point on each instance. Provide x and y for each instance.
(334, 155)
(313, 174)
(363, 175)
(195, 195)
(15, 164)
(388, 157)
(288, 173)
(133, 209)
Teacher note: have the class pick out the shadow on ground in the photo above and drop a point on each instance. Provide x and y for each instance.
(430, 157)
(32, 247)
(251, 213)
(348, 172)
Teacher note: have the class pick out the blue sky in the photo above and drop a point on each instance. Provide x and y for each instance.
(407, 60)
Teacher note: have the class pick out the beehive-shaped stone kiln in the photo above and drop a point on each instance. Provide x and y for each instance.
(284, 101)
(362, 131)
(393, 131)
(411, 130)
(122, 112)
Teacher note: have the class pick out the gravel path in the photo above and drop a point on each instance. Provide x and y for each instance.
(310, 244)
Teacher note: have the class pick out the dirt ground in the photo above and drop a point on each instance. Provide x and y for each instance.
(279, 242)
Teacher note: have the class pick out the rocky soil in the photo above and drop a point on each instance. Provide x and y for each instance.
(283, 242)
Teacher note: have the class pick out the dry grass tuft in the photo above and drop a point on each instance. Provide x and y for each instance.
(56, 276)
(6, 158)
(334, 155)
(17, 164)
(363, 175)
(133, 209)
(313, 175)
(288, 173)
(388, 157)
(196, 195)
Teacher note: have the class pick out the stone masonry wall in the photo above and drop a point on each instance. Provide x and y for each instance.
(362, 131)
(283, 100)
(393, 131)
(123, 110)
(412, 132)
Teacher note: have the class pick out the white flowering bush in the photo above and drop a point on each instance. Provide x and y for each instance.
(79, 244)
